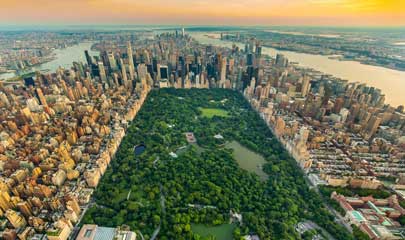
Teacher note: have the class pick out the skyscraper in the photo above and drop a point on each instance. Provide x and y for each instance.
(112, 61)
(88, 58)
(123, 73)
(163, 72)
(258, 49)
(103, 75)
(250, 59)
(41, 97)
(223, 71)
(106, 61)
(338, 105)
(131, 66)
(305, 85)
(281, 61)
(372, 126)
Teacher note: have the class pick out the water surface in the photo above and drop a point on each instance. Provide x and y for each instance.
(139, 149)
(248, 159)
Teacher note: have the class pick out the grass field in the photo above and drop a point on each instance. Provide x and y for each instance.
(221, 232)
(211, 112)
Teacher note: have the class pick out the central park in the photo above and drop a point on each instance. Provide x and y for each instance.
(232, 179)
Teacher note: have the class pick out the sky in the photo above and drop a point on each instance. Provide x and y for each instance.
(205, 12)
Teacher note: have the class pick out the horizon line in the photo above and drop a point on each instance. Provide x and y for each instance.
(189, 25)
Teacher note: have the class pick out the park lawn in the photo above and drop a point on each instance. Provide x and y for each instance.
(211, 112)
(221, 232)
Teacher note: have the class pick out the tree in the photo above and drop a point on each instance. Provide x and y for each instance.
(209, 179)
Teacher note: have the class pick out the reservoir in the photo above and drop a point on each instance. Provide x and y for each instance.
(63, 58)
(247, 159)
(391, 82)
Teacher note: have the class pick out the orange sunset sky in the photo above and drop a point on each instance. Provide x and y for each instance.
(205, 12)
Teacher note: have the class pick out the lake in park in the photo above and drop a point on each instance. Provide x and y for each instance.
(248, 159)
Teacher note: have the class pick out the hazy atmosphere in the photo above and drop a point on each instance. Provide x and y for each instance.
(226, 12)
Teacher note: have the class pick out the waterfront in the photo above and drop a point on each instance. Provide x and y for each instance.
(63, 58)
(391, 82)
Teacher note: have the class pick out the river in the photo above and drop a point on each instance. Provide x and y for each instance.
(391, 82)
(63, 58)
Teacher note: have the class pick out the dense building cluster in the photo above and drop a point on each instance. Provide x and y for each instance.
(341, 132)
(59, 131)
(58, 134)
(383, 51)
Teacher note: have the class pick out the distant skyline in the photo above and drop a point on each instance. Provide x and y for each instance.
(205, 12)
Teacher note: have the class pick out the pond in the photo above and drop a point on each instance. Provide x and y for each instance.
(139, 149)
(248, 159)
(221, 232)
